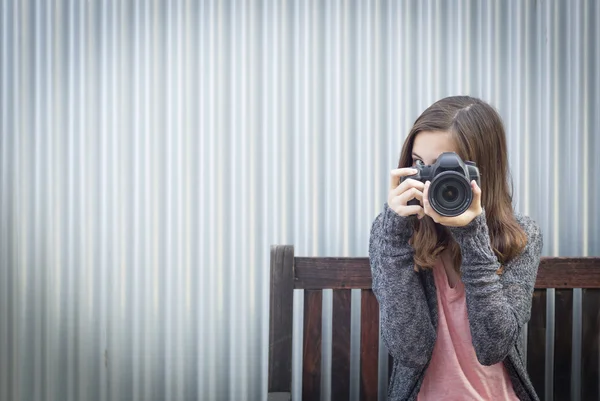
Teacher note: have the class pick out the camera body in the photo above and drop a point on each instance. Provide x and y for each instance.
(450, 192)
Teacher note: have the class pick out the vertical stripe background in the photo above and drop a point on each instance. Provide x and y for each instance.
(151, 151)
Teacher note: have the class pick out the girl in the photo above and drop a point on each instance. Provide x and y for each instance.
(455, 292)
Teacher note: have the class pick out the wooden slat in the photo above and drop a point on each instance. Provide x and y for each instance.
(340, 273)
(369, 346)
(340, 347)
(335, 273)
(280, 318)
(536, 342)
(569, 273)
(563, 329)
(590, 330)
(311, 361)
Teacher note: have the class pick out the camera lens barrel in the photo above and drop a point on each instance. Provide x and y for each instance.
(450, 194)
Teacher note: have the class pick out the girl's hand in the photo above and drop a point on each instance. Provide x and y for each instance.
(458, 221)
(399, 195)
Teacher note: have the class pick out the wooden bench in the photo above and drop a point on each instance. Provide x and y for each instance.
(550, 354)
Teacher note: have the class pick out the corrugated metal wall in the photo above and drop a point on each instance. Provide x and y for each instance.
(151, 151)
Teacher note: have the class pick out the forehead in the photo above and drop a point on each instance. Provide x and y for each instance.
(430, 144)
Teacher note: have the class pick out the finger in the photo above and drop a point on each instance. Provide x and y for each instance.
(406, 185)
(476, 193)
(426, 189)
(399, 204)
(409, 194)
(426, 206)
(411, 210)
(398, 173)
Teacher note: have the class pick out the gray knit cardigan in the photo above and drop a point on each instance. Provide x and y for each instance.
(498, 306)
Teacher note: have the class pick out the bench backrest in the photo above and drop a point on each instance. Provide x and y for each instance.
(546, 348)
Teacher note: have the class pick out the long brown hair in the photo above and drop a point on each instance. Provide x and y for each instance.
(479, 135)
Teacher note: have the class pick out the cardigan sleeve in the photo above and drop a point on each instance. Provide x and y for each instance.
(406, 324)
(498, 306)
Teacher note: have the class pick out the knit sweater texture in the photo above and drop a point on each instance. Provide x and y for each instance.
(498, 305)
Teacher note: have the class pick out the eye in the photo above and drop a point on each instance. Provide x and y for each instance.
(414, 161)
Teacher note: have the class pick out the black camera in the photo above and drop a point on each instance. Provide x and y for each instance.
(450, 192)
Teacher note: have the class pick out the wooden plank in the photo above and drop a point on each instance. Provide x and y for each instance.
(590, 330)
(369, 346)
(340, 347)
(311, 361)
(563, 333)
(280, 318)
(335, 273)
(567, 273)
(341, 273)
(536, 342)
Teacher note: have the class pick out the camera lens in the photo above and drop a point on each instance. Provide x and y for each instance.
(450, 194)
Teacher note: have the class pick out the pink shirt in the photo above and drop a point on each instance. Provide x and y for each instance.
(454, 372)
